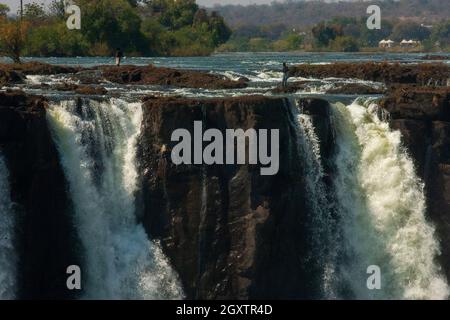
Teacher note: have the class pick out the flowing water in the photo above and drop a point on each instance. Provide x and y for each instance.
(381, 204)
(8, 258)
(370, 212)
(320, 223)
(96, 142)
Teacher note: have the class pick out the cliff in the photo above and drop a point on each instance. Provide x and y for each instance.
(46, 238)
(228, 230)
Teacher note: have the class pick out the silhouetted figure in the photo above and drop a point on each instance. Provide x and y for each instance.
(285, 75)
(119, 56)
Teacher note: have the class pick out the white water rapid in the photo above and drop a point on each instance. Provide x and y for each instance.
(97, 146)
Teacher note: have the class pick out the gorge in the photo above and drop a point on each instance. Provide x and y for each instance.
(87, 179)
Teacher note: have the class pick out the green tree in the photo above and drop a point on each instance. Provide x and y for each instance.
(56, 40)
(114, 23)
(176, 14)
(409, 30)
(441, 34)
(345, 44)
(371, 38)
(57, 9)
(34, 12)
(4, 9)
(13, 36)
(324, 33)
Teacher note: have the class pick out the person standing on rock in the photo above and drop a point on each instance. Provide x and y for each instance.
(119, 56)
(285, 75)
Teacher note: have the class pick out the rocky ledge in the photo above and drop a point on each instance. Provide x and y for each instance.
(127, 74)
(388, 73)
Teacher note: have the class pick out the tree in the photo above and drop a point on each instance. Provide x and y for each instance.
(345, 44)
(4, 9)
(220, 32)
(114, 23)
(324, 33)
(441, 34)
(177, 14)
(409, 30)
(34, 12)
(13, 35)
(371, 38)
(57, 9)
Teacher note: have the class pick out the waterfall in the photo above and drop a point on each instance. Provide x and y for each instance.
(8, 258)
(381, 206)
(320, 222)
(97, 144)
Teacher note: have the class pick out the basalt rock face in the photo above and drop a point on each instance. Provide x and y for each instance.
(15, 73)
(127, 74)
(38, 188)
(423, 117)
(227, 229)
(388, 73)
(151, 75)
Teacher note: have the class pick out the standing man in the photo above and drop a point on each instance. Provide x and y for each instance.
(285, 75)
(119, 56)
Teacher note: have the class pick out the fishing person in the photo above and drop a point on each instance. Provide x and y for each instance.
(285, 75)
(119, 56)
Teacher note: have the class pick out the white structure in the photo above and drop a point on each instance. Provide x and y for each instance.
(386, 43)
(409, 43)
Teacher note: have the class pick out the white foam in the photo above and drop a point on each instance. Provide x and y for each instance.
(97, 142)
(382, 211)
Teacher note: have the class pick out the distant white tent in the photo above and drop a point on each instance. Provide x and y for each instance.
(409, 43)
(386, 43)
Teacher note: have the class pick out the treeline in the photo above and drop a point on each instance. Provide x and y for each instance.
(139, 28)
(338, 34)
(352, 34)
(298, 14)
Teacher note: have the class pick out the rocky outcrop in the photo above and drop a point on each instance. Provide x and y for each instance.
(345, 88)
(355, 89)
(227, 230)
(45, 233)
(39, 68)
(423, 117)
(389, 73)
(127, 74)
(435, 57)
(151, 75)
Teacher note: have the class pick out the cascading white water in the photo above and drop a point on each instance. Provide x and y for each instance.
(381, 204)
(97, 144)
(8, 258)
(320, 223)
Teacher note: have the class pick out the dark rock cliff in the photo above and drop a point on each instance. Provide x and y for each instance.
(228, 231)
(38, 187)
(388, 73)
